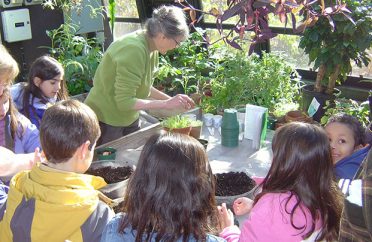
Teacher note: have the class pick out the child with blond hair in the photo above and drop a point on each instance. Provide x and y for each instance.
(8, 69)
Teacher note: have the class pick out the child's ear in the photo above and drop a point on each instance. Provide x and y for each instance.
(84, 149)
(37, 81)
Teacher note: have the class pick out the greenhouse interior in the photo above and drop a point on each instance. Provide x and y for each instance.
(185, 120)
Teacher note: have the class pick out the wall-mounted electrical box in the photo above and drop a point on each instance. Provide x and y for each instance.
(33, 2)
(11, 3)
(16, 25)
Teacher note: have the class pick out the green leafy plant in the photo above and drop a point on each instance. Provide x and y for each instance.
(188, 76)
(283, 107)
(239, 79)
(176, 122)
(347, 106)
(174, 73)
(78, 55)
(332, 47)
(196, 123)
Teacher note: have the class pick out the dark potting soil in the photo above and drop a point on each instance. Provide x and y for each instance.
(112, 174)
(233, 183)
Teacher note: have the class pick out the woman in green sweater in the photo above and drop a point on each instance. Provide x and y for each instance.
(123, 80)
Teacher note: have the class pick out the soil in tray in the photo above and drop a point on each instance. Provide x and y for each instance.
(112, 174)
(233, 183)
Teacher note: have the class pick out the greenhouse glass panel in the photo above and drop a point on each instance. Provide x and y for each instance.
(125, 8)
(365, 71)
(125, 28)
(288, 45)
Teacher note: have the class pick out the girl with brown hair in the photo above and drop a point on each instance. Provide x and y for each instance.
(170, 196)
(299, 199)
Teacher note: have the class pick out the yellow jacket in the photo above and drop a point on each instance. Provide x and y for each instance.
(49, 205)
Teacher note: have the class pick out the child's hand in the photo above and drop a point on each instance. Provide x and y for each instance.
(225, 216)
(242, 205)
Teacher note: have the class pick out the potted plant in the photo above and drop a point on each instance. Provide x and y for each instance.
(106, 153)
(196, 126)
(180, 124)
(276, 117)
(332, 43)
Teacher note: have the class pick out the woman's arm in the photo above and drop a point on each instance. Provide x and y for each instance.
(158, 95)
(180, 101)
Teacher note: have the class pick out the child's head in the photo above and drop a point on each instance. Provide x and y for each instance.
(302, 165)
(172, 189)
(8, 68)
(45, 79)
(301, 153)
(346, 135)
(7, 108)
(65, 127)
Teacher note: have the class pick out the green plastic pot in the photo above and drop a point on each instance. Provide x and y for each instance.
(106, 153)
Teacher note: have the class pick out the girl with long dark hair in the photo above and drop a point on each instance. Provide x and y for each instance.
(170, 195)
(299, 199)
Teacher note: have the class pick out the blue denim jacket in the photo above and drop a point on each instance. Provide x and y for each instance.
(111, 234)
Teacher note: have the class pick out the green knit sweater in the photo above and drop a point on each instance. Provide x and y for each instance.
(124, 74)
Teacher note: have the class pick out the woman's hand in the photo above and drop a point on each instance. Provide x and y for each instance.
(242, 205)
(225, 216)
(180, 101)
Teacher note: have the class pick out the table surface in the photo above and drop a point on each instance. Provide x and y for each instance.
(240, 158)
(222, 159)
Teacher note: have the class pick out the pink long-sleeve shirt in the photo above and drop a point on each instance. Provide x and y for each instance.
(269, 221)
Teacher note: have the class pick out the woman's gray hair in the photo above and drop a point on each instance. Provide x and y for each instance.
(169, 20)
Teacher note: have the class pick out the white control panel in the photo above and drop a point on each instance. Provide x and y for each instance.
(11, 3)
(16, 25)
